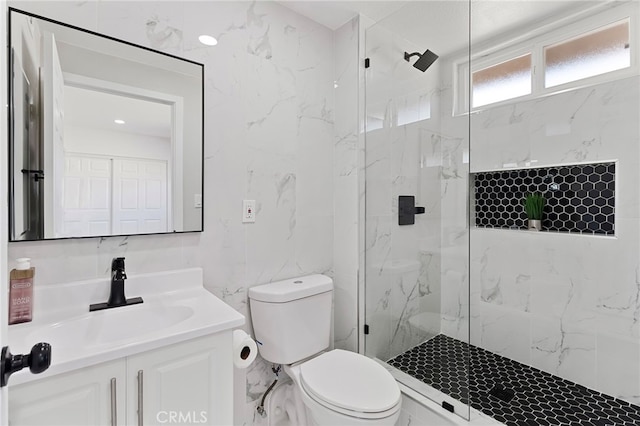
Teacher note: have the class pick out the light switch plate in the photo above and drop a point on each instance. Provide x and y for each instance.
(197, 201)
(248, 211)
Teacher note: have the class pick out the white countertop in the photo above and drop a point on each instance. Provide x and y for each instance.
(176, 308)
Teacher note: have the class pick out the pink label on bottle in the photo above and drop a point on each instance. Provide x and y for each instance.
(21, 300)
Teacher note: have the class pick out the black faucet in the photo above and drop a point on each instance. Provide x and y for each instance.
(116, 296)
(118, 275)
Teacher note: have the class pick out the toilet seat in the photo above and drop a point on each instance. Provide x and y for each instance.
(351, 384)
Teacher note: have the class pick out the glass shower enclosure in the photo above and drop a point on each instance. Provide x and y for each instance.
(471, 107)
(416, 204)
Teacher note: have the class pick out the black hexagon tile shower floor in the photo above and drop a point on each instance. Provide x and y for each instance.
(467, 372)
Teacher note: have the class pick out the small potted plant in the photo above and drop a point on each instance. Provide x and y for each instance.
(534, 205)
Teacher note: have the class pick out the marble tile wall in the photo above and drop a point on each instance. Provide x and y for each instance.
(453, 150)
(402, 158)
(562, 303)
(345, 184)
(269, 136)
(568, 302)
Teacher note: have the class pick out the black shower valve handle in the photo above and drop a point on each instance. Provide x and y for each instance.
(407, 209)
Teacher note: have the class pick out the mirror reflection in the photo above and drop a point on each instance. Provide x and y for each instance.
(105, 136)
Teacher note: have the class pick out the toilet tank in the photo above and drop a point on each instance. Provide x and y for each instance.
(292, 318)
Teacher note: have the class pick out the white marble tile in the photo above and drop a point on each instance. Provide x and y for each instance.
(405, 241)
(455, 300)
(618, 367)
(379, 314)
(567, 352)
(494, 131)
(501, 283)
(404, 301)
(142, 253)
(314, 245)
(158, 25)
(345, 185)
(226, 21)
(227, 162)
(345, 250)
(345, 312)
(405, 152)
(58, 262)
(378, 173)
(222, 247)
(314, 183)
(259, 377)
(594, 122)
(428, 318)
(378, 242)
(83, 14)
(496, 323)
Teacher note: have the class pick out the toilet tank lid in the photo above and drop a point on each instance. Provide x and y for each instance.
(291, 289)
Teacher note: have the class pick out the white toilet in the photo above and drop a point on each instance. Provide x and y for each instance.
(292, 321)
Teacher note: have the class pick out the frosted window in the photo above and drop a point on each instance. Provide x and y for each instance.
(598, 52)
(506, 80)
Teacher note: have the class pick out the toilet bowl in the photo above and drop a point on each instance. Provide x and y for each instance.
(345, 388)
(292, 322)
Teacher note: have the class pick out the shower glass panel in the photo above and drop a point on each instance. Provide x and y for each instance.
(416, 275)
(555, 314)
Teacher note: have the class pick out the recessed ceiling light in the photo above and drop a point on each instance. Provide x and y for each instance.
(208, 40)
(118, 121)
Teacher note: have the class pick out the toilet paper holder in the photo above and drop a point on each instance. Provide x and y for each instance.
(245, 349)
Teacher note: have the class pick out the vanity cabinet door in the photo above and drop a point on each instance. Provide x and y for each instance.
(78, 398)
(183, 384)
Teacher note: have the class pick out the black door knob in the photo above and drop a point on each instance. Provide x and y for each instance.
(38, 360)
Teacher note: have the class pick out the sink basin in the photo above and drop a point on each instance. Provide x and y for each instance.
(177, 308)
(111, 326)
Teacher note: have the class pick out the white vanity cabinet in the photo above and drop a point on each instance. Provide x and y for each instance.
(186, 383)
(189, 383)
(77, 398)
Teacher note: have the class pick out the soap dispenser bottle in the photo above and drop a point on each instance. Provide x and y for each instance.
(21, 291)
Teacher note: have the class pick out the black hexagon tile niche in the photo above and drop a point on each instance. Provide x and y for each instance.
(578, 198)
(510, 392)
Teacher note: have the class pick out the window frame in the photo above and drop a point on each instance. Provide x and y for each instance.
(534, 43)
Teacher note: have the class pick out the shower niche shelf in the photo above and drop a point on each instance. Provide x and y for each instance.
(579, 198)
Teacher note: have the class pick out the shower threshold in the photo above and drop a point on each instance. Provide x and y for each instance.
(512, 393)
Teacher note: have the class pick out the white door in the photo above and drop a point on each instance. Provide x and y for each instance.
(86, 196)
(53, 133)
(139, 196)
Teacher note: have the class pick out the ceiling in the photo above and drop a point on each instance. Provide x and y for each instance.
(440, 25)
(141, 117)
(334, 14)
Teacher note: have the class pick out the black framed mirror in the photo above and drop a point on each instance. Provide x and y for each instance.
(105, 136)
